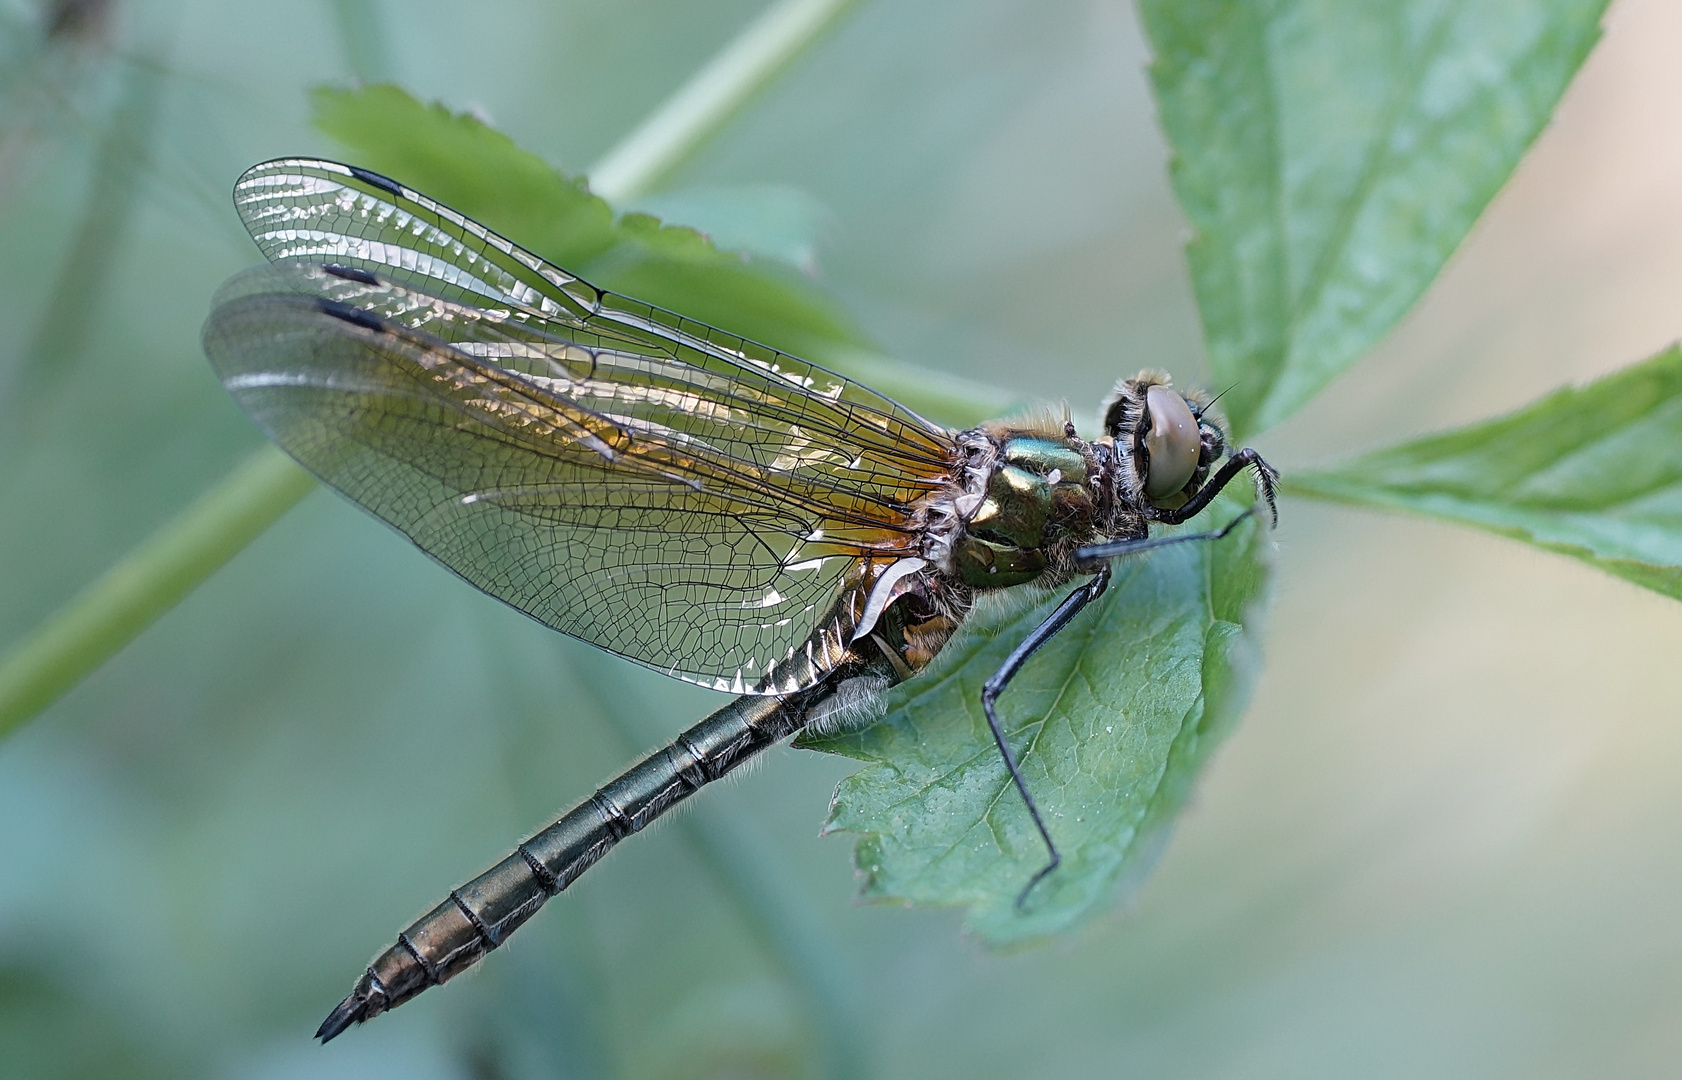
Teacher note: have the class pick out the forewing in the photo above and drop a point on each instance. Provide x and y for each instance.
(321, 212)
(703, 521)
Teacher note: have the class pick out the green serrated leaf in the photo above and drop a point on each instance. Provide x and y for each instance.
(1331, 155)
(678, 268)
(1111, 720)
(1589, 472)
(772, 221)
(459, 160)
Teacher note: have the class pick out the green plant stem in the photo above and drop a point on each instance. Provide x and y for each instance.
(150, 580)
(362, 34)
(153, 578)
(713, 96)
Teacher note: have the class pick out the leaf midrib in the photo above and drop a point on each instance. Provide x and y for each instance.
(1382, 152)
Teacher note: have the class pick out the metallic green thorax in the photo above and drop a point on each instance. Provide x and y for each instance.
(1038, 491)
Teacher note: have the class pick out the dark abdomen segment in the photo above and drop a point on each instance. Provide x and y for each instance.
(480, 915)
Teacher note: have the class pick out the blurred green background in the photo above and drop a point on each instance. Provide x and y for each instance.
(1443, 842)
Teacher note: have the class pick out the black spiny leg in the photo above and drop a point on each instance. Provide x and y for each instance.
(1086, 556)
(1266, 479)
(1044, 632)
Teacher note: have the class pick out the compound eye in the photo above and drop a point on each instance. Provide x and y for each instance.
(1173, 442)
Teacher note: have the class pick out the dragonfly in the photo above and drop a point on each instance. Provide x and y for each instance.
(696, 502)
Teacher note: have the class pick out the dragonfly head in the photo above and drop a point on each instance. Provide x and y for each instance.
(1166, 438)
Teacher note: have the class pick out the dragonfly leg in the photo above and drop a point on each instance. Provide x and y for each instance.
(1086, 556)
(1266, 479)
(1044, 632)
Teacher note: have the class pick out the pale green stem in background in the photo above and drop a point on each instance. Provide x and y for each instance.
(712, 97)
(362, 37)
(153, 578)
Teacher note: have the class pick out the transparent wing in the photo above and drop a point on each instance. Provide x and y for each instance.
(676, 495)
(306, 210)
